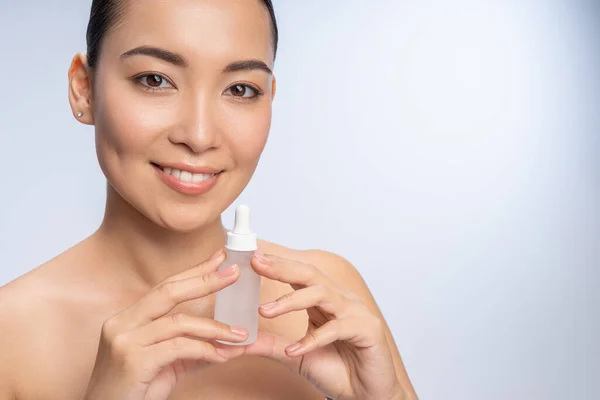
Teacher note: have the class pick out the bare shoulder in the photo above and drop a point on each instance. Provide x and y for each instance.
(26, 301)
(22, 314)
(10, 322)
(346, 276)
(37, 313)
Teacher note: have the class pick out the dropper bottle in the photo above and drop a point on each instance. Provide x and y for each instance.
(237, 304)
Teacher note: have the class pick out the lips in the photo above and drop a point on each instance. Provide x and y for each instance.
(189, 180)
(186, 176)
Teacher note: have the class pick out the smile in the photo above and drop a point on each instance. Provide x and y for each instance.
(186, 176)
(190, 181)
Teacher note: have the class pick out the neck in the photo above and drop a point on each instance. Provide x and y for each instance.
(150, 252)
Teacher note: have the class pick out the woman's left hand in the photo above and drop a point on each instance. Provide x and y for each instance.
(344, 353)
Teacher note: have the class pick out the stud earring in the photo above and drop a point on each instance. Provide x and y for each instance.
(80, 114)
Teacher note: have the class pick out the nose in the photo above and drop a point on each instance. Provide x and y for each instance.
(197, 129)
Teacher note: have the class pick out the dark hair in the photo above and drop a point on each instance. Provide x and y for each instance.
(105, 13)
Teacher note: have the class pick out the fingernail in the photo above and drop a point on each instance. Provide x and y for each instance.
(260, 256)
(294, 348)
(239, 331)
(218, 254)
(229, 271)
(269, 306)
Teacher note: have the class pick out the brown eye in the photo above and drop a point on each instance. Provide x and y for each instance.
(238, 90)
(242, 91)
(154, 81)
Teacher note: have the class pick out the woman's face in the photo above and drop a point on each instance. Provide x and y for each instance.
(181, 102)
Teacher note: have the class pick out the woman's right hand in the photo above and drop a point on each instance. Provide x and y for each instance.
(143, 351)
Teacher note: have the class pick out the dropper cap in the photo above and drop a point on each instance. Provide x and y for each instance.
(241, 238)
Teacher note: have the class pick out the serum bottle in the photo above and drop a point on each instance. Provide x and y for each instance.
(237, 304)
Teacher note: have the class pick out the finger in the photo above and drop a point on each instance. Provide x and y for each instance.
(154, 358)
(321, 296)
(229, 351)
(204, 267)
(354, 330)
(287, 271)
(163, 298)
(180, 324)
(273, 346)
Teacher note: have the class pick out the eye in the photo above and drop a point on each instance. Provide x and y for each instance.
(154, 81)
(243, 91)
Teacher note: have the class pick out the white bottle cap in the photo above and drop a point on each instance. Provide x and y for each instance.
(241, 238)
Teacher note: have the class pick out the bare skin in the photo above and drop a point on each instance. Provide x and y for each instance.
(53, 317)
(196, 109)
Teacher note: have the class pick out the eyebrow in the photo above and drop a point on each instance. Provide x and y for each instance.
(155, 52)
(247, 65)
(180, 61)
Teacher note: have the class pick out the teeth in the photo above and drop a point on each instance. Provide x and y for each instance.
(197, 178)
(186, 176)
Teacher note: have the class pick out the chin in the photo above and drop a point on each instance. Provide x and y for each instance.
(185, 219)
(173, 211)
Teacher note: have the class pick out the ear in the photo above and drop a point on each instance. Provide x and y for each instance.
(274, 88)
(80, 89)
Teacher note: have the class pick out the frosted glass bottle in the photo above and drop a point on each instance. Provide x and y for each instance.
(237, 305)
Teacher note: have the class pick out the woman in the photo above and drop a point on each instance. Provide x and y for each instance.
(180, 95)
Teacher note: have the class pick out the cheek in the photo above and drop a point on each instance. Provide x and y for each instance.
(126, 123)
(246, 132)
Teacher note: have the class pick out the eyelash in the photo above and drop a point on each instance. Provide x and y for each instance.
(257, 92)
(139, 79)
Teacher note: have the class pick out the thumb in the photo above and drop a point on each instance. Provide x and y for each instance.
(273, 346)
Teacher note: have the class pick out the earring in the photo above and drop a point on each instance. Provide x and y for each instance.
(80, 114)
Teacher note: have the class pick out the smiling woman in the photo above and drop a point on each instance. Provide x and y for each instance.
(180, 94)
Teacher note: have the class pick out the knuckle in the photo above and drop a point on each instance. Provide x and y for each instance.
(201, 350)
(355, 304)
(109, 329)
(222, 328)
(311, 273)
(200, 269)
(321, 291)
(179, 320)
(208, 279)
(178, 343)
(119, 346)
(335, 325)
(286, 298)
(312, 337)
(209, 327)
(168, 290)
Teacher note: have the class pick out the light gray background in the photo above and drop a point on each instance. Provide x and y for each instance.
(449, 149)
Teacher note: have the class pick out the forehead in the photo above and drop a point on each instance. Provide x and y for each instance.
(203, 29)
